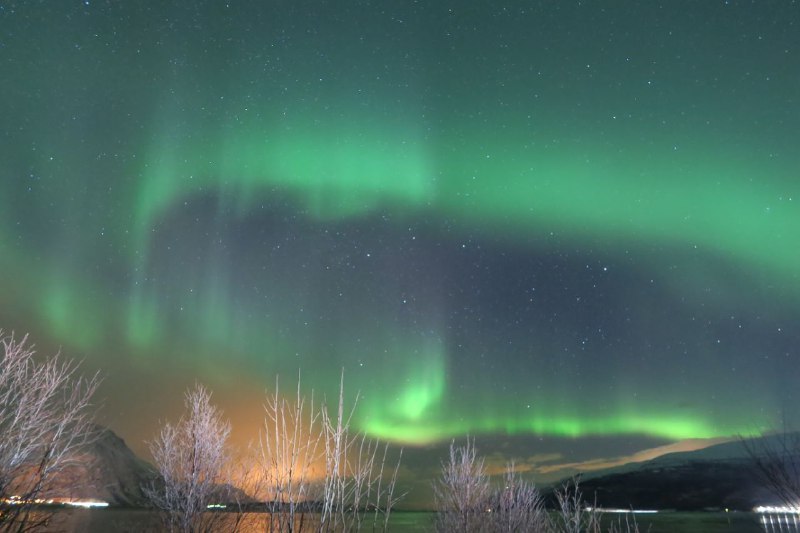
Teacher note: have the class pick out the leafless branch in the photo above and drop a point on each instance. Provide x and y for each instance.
(462, 494)
(191, 457)
(777, 462)
(46, 417)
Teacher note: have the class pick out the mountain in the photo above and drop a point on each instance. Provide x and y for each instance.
(723, 476)
(106, 470)
(718, 477)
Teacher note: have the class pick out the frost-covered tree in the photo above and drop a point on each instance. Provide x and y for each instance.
(517, 505)
(462, 493)
(46, 416)
(288, 448)
(191, 458)
(317, 473)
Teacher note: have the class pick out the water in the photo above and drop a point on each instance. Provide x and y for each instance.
(127, 520)
(697, 523)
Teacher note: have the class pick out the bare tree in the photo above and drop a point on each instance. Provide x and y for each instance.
(337, 447)
(289, 449)
(466, 502)
(462, 494)
(574, 515)
(317, 474)
(354, 478)
(777, 462)
(518, 506)
(191, 458)
(46, 416)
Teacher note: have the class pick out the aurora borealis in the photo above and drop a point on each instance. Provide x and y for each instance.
(538, 222)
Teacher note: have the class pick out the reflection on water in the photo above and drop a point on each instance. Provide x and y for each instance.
(137, 520)
(780, 523)
(127, 520)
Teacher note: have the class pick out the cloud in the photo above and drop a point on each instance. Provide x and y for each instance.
(497, 464)
(687, 445)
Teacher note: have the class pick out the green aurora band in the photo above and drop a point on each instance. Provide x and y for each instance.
(90, 250)
(360, 174)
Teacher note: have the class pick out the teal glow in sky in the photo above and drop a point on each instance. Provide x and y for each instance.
(509, 219)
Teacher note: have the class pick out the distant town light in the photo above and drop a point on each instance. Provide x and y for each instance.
(776, 509)
(634, 511)
(216, 506)
(87, 504)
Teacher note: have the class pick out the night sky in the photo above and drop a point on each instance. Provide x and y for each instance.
(567, 228)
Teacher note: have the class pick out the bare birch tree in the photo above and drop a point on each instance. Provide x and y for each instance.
(574, 515)
(46, 416)
(462, 494)
(354, 478)
(466, 501)
(289, 449)
(517, 505)
(318, 474)
(191, 458)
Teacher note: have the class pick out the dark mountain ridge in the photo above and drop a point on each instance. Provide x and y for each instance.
(723, 476)
(106, 470)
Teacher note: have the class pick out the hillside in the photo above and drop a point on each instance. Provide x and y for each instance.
(718, 477)
(107, 470)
